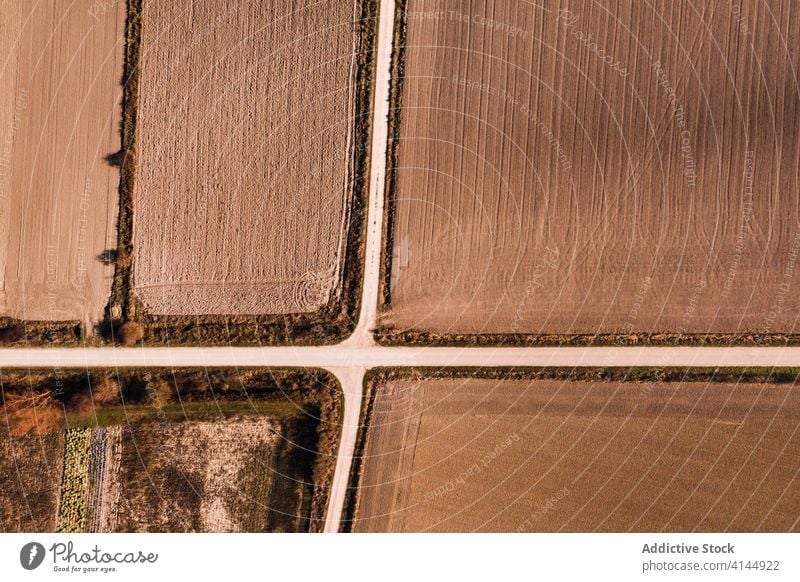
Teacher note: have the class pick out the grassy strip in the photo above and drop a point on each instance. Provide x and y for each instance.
(73, 510)
(391, 336)
(191, 411)
(395, 107)
(632, 374)
(330, 324)
(17, 332)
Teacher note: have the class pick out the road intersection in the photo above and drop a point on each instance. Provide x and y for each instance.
(350, 360)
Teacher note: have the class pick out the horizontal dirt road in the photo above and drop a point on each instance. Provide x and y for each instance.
(335, 357)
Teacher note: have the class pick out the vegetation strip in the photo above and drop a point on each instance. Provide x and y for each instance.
(73, 506)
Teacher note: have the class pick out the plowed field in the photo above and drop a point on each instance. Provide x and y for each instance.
(585, 167)
(60, 71)
(244, 129)
(546, 455)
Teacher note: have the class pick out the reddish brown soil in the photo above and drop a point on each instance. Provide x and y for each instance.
(60, 70)
(30, 481)
(546, 455)
(583, 167)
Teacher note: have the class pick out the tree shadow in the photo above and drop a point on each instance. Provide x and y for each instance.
(116, 159)
(108, 257)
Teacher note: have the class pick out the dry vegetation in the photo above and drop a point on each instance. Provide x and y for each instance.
(249, 450)
(30, 481)
(59, 120)
(574, 454)
(583, 171)
(221, 476)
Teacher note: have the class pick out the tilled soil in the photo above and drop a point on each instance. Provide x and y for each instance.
(244, 122)
(60, 71)
(547, 455)
(585, 167)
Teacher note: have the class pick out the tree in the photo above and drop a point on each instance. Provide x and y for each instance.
(12, 334)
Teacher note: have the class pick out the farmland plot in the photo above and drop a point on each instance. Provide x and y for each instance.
(597, 168)
(60, 71)
(30, 469)
(568, 455)
(244, 183)
(214, 449)
(217, 476)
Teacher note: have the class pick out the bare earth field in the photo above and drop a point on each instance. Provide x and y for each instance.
(588, 168)
(224, 476)
(244, 121)
(548, 455)
(30, 471)
(60, 70)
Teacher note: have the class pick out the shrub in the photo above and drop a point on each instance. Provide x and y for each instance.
(105, 390)
(73, 511)
(12, 334)
(39, 414)
(159, 393)
(131, 332)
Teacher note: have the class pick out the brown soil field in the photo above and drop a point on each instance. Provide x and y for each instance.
(224, 476)
(30, 479)
(243, 191)
(568, 455)
(60, 70)
(594, 168)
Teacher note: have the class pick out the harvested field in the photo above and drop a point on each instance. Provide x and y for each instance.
(30, 481)
(225, 476)
(60, 70)
(245, 156)
(629, 170)
(569, 455)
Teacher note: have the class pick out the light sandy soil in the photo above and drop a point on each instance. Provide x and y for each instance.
(467, 455)
(602, 169)
(30, 475)
(60, 69)
(189, 476)
(244, 121)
